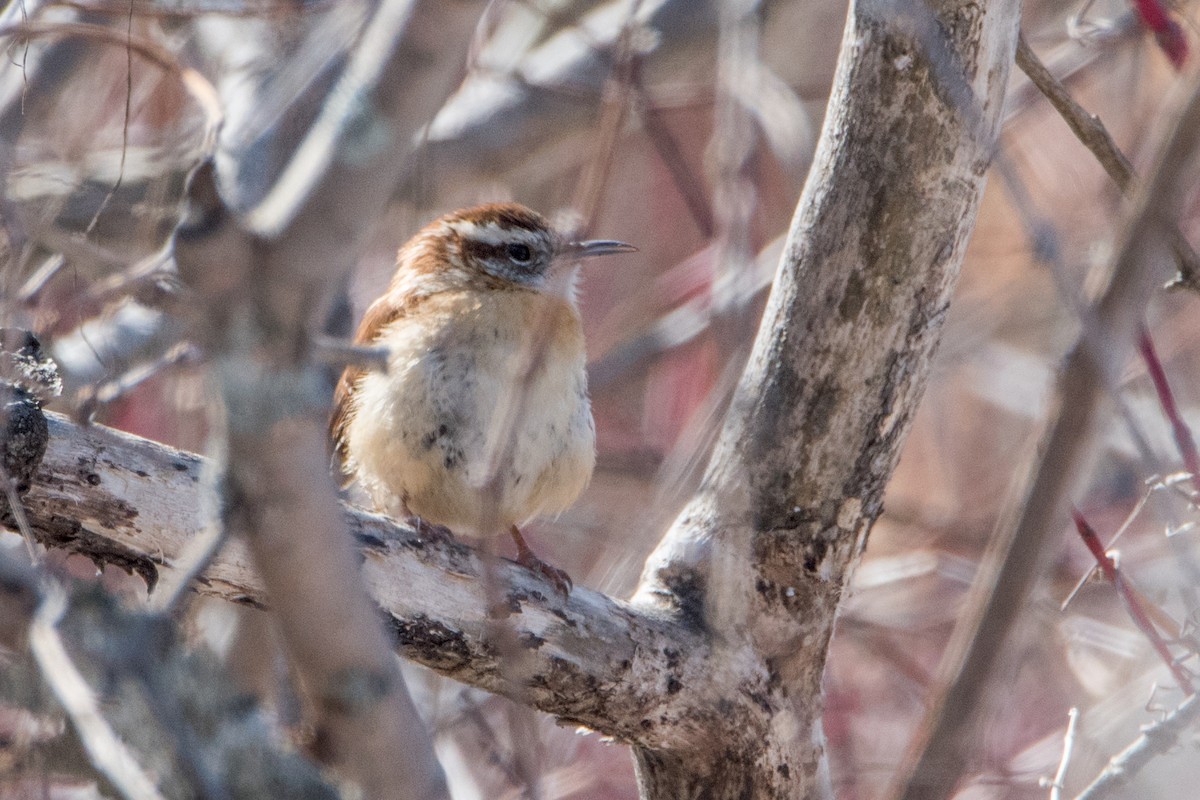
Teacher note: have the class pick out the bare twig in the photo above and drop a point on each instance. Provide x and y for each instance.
(108, 752)
(1131, 601)
(1092, 133)
(1155, 740)
(1087, 127)
(1057, 784)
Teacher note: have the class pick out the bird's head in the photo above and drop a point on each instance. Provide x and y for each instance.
(502, 245)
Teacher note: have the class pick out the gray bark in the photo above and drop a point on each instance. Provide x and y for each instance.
(762, 552)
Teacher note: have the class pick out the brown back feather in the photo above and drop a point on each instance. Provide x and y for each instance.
(380, 314)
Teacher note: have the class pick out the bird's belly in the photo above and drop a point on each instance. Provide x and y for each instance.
(462, 441)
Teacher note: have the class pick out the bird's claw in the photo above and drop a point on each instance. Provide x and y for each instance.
(561, 580)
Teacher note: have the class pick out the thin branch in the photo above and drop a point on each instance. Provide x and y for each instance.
(1092, 133)
(1155, 740)
(688, 185)
(108, 752)
(1087, 127)
(1131, 601)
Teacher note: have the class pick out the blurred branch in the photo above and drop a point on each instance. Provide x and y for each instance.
(1095, 137)
(262, 266)
(189, 9)
(684, 323)
(147, 710)
(591, 660)
(200, 90)
(504, 117)
(1018, 553)
(108, 752)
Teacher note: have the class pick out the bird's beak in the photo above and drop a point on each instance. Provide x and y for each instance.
(576, 251)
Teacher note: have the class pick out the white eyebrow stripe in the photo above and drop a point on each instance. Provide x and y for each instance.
(491, 233)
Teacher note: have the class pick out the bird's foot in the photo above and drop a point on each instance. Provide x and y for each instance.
(528, 559)
(430, 531)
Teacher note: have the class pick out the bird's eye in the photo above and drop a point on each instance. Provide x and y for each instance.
(520, 253)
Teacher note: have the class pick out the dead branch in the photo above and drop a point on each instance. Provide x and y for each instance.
(1095, 137)
(1155, 740)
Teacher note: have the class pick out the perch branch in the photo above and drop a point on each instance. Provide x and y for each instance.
(127, 501)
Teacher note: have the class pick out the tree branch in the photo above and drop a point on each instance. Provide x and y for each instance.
(262, 276)
(1092, 134)
(763, 551)
(123, 500)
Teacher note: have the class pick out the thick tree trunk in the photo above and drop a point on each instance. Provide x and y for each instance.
(761, 555)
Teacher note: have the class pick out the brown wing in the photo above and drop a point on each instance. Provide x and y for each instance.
(380, 314)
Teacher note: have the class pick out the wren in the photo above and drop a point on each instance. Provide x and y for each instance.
(480, 314)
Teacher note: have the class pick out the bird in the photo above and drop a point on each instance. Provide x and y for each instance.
(482, 419)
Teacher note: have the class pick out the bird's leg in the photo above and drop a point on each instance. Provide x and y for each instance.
(430, 530)
(527, 559)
